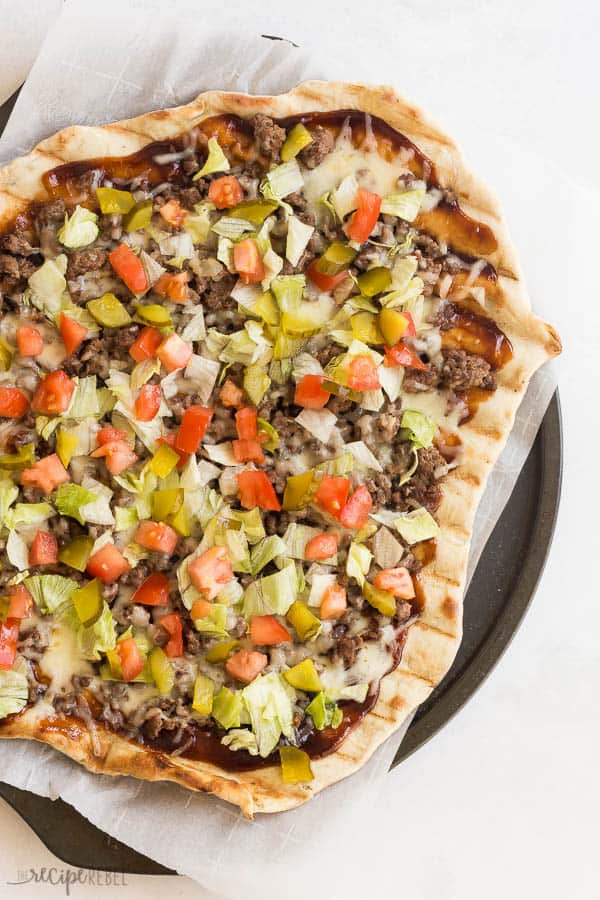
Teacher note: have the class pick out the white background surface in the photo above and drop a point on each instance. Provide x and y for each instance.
(502, 802)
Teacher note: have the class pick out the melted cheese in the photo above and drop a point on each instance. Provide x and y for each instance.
(373, 661)
(370, 169)
(434, 405)
(63, 659)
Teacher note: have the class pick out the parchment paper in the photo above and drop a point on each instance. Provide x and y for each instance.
(90, 72)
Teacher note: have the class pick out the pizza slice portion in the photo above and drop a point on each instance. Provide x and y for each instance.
(259, 355)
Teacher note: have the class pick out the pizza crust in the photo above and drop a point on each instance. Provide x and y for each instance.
(433, 640)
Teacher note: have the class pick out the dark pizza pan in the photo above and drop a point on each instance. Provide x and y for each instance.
(513, 561)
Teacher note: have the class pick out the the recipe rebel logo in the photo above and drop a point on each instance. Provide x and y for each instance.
(68, 878)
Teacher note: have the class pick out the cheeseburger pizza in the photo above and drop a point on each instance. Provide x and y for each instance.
(258, 356)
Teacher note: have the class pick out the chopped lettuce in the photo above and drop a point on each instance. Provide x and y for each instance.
(256, 383)
(358, 562)
(48, 286)
(415, 526)
(269, 701)
(80, 228)
(421, 429)
(241, 739)
(405, 204)
(84, 404)
(14, 691)
(125, 517)
(227, 708)
(25, 514)
(70, 498)
(17, 551)
(365, 459)
(324, 711)
(271, 595)
(99, 637)
(195, 329)
(296, 538)
(204, 373)
(320, 581)
(232, 228)
(8, 494)
(298, 236)
(344, 197)
(318, 422)
(284, 179)
(265, 552)
(50, 591)
(215, 622)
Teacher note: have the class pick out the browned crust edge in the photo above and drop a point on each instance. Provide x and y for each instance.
(433, 641)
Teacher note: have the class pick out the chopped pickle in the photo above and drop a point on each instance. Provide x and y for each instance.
(113, 201)
(108, 311)
(164, 503)
(220, 652)
(324, 712)
(255, 211)
(139, 217)
(88, 602)
(267, 429)
(304, 676)
(393, 325)
(24, 456)
(204, 689)
(164, 461)
(295, 765)
(4, 605)
(154, 314)
(364, 328)
(375, 281)
(227, 708)
(300, 617)
(298, 138)
(180, 522)
(77, 552)
(297, 490)
(336, 258)
(383, 601)
(161, 670)
(266, 308)
(66, 445)
(5, 357)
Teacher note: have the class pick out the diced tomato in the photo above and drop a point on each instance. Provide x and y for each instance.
(156, 536)
(53, 394)
(246, 423)
(403, 355)
(21, 602)
(9, 637)
(107, 564)
(154, 591)
(46, 473)
(173, 213)
(174, 628)
(173, 286)
(72, 333)
(247, 261)
(129, 268)
(362, 374)
(193, 427)
(44, 550)
(310, 392)
(230, 394)
(147, 402)
(322, 281)
(363, 220)
(146, 344)
(210, 571)
(132, 661)
(118, 456)
(332, 494)
(397, 581)
(248, 451)
(169, 440)
(245, 665)
(333, 602)
(13, 403)
(174, 353)
(108, 434)
(266, 630)
(355, 513)
(322, 546)
(256, 490)
(200, 609)
(225, 192)
(29, 341)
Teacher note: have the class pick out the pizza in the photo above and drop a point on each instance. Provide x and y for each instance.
(259, 355)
